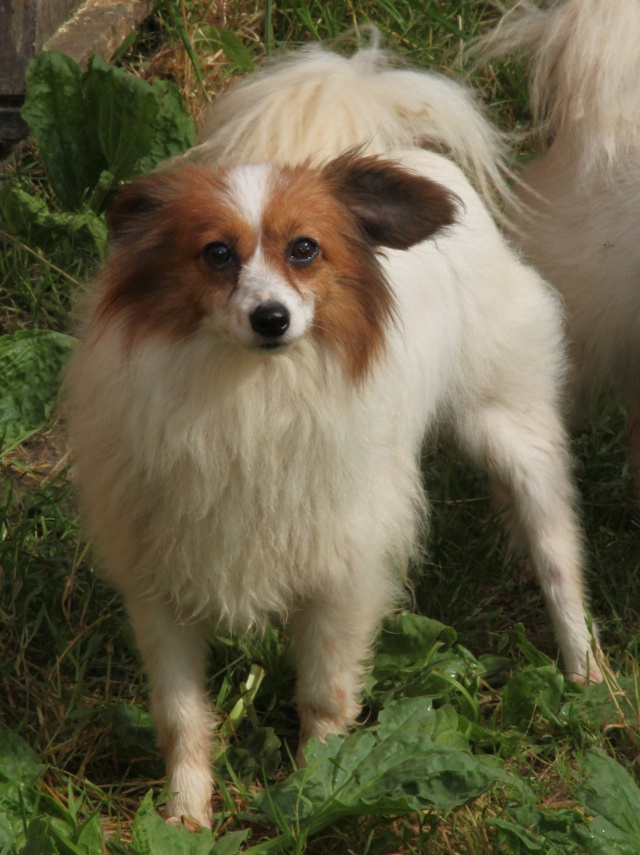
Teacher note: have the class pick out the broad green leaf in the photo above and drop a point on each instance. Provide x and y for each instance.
(409, 641)
(611, 796)
(256, 755)
(519, 839)
(55, 111)
(531, 830)
(40, 838)
(97, 129)
(531, 690)
(7, 835)
(90, 838)
(231, 842)
(18, 763)
(49, 835)
(31, 363)
(152, 836)
(173, 131)
(603, 705)
(235, 49)
(30, 217)
(123, 110)
(417, 657)
(414, 759)
(605, 838)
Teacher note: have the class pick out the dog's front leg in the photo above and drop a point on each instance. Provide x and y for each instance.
(332, 634)
(174, 657)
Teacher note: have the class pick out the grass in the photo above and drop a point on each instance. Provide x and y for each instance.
(71, 685)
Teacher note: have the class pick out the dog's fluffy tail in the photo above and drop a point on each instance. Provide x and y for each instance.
(315, 104)
(584, 81)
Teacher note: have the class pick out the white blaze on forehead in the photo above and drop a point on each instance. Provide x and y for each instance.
(249, 188)
(260, 280)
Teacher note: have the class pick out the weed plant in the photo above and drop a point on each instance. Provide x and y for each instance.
(471, 740)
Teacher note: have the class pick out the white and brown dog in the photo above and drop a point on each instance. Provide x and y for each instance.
(281, 321)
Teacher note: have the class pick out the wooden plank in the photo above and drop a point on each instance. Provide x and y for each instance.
(76, 28)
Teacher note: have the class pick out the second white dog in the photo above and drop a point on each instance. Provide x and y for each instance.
(580, 225)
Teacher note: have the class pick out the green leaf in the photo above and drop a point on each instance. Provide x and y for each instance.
(531, 690)
(31, 218)
(231, 842)
(20, 769)
(55, 111)
(601, 705)
(173, 131)
(90, 839)
(219, 38)
(611, 796)
(531, 830)
(17, 760)
(100, 128)
(31, 363)
(519, 839)
(40, 839)
(152, 836)
(535, 657)
(7, 835)
(409, 641)
(123, 110)
(414, 759)
(258, 754)
(48, 835)
(417, 657)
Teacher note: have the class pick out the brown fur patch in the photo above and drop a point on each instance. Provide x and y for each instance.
(353, 301)
(156, 279)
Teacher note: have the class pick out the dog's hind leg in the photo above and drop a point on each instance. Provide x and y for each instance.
(174, 656)
(524, 449)
(332, 634)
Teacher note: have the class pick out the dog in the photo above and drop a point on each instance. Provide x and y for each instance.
(577, 222)
(283, 317)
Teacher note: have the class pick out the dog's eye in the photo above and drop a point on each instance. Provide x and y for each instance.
(219, 256)
(302, 250)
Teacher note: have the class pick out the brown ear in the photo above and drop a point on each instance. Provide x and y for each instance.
(394, 207)
(130, 207)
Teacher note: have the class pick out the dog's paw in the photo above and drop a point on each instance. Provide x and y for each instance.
(592, 671)
(191, 823)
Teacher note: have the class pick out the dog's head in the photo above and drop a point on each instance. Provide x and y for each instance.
(263, 256)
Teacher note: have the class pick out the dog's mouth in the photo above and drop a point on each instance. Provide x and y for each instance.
(272, 345)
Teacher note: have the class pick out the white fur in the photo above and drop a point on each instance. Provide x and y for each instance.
(258, 283)
(580, 226)
(224, 486)
(315, 103)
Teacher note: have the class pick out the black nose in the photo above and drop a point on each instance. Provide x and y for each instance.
(270, 319)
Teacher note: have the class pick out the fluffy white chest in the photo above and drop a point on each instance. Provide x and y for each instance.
(250, 484)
